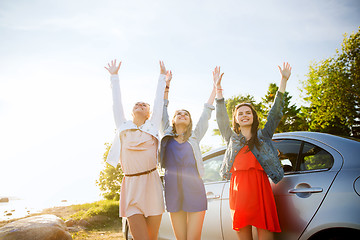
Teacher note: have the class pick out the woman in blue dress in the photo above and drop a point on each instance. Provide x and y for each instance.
(180, 155)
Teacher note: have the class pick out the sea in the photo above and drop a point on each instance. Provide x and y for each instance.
(18, 207)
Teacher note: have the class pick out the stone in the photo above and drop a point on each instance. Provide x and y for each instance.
(41, 227)
(98, 219)
(4, 199)
(83, 223)
(70, 222)
(74, 229)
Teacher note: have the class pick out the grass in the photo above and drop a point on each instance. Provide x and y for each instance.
(109, 208)
(110, 228)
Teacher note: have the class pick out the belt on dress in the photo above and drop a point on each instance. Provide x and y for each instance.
(140, 173)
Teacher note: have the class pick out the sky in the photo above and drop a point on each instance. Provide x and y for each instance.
(55, 97)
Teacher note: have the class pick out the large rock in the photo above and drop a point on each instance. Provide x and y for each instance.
(42, 227)
(4, 199)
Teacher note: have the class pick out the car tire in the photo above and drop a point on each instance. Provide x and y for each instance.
(127, 231)
(336, 234)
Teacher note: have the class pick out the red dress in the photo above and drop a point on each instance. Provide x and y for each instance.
(251, 198)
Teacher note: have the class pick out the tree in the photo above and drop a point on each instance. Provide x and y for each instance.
(110, 179)
(293, 119)
(332, 90)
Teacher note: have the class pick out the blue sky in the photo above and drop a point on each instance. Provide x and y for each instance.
(55, 102)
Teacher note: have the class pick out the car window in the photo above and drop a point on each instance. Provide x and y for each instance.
(212, 169)
(288, 153)
(315, 158)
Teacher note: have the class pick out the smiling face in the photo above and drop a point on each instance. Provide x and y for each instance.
(141, 109)
(244, 116)
(182, 117)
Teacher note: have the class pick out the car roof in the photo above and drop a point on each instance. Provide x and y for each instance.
(348, 148)
(341, 144)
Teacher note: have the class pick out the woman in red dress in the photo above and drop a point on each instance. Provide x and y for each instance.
(249, 159)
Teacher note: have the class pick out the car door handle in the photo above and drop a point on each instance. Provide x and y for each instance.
(211, 195)
(306, 190)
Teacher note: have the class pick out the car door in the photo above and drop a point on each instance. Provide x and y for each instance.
(214, 187)
(310, 168)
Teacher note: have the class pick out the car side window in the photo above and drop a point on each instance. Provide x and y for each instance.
(212, 169)
(315, 158)
(288, 153)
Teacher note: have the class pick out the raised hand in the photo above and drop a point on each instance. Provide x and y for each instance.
(285, 71)
(217, 77)
(162, 68)
(168, 78)
(112, 68)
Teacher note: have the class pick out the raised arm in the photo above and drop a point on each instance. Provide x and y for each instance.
(203, 123)
(222, 117)
(118, 109)
(159, 97)
(285, 75)
(275, 114)
(217, 81)
(165, 123)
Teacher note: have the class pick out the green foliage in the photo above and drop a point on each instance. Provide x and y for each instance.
(110, 179)
(293, 119)
(332, 90)
(109, 208)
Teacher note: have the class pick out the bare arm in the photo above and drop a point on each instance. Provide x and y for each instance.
(167, 88)
(285, 75)
(217, 82)
(213, 92)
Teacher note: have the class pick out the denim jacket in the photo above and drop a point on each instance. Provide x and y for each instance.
(201, 127)
(267, 154)
(151, 126)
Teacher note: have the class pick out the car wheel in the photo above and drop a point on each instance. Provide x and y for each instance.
(336, 234)
(127, 231)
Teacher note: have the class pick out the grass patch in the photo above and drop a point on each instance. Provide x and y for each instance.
(109, 208)
(98, 215)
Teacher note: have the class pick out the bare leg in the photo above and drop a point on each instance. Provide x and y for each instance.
(245, 233)
(195, 222)
(265, 234)
(153, 225)
(138, 227)
(179, 222)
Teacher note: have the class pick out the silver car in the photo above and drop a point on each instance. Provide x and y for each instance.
(318, 198)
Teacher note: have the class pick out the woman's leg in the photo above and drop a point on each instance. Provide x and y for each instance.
(138, 227)
(153, 225)
(178, 222)
(245, 233)
(265, 234)
(195, 222)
